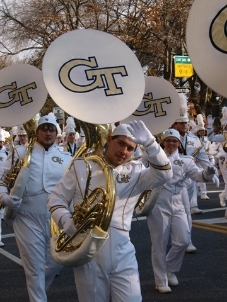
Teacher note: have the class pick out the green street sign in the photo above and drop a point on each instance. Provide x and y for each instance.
(182, 59)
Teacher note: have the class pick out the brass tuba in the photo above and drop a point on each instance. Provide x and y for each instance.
(16, 178)
(93, 215)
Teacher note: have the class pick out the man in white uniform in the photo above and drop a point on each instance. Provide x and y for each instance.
(71, 136)
(191, 146)
(168, 216)
(113, 273)
(32, 222)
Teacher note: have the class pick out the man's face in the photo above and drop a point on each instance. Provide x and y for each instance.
(119, 150)
(181, 127)
(71, 138)
(46, 135)
(23, 138)
(171, 143)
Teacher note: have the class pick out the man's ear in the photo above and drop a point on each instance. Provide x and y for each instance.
(109, 139)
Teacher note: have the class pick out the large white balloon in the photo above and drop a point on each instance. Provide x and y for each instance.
(22, 94)
(206, 38)
(93, 76)
(159, 107)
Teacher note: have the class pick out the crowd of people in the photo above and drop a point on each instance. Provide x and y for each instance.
(178, 167)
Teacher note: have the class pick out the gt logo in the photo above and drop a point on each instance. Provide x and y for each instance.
(17, 94)
(57, 160)
(190, 143)
(178, 162)
(218, 30)
(153, 106)
(122, 178)
(102, 77)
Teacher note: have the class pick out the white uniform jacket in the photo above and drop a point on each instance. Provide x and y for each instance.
(192, 146)
(132, 178)
(43, 163)
(184, 167)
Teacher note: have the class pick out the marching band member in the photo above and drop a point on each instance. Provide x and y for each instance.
(191, 146)
(71, 136)
(200, 131)
(113, 273)
(3, 157)
(32, 222)
(22, 135)
(168, 216)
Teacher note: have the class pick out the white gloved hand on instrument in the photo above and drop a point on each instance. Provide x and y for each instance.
(68, 224)
(142, 135)
(11, 201)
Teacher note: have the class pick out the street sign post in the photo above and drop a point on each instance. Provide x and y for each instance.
(183, 67)
(59, 113)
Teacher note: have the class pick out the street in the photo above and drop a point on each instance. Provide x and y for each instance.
(203, 276)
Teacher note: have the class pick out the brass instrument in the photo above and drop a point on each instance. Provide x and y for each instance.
(95, 212)
(16, 178)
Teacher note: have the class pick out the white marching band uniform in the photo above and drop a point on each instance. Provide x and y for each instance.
(116, 260)
(32, 222)
(169, 218)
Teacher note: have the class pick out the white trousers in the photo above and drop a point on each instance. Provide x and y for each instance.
(32, 231)
(112, 274)
(168, 218)
(192, 193)
(203, 187)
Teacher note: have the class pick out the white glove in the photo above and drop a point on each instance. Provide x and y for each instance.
(11, 201)
(68, 224)
(215, 180)
(142, 135)
(210, 121)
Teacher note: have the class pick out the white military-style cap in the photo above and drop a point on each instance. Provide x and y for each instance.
(122, 129)
(183, 112)
(70, 126)
(47, 119)
(171, 132)
(199, 126)
(21, 130)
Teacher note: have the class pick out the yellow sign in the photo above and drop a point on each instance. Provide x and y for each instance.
(183, 67)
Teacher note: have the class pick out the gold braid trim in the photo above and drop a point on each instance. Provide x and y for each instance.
(166, 167)
(52, 209)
